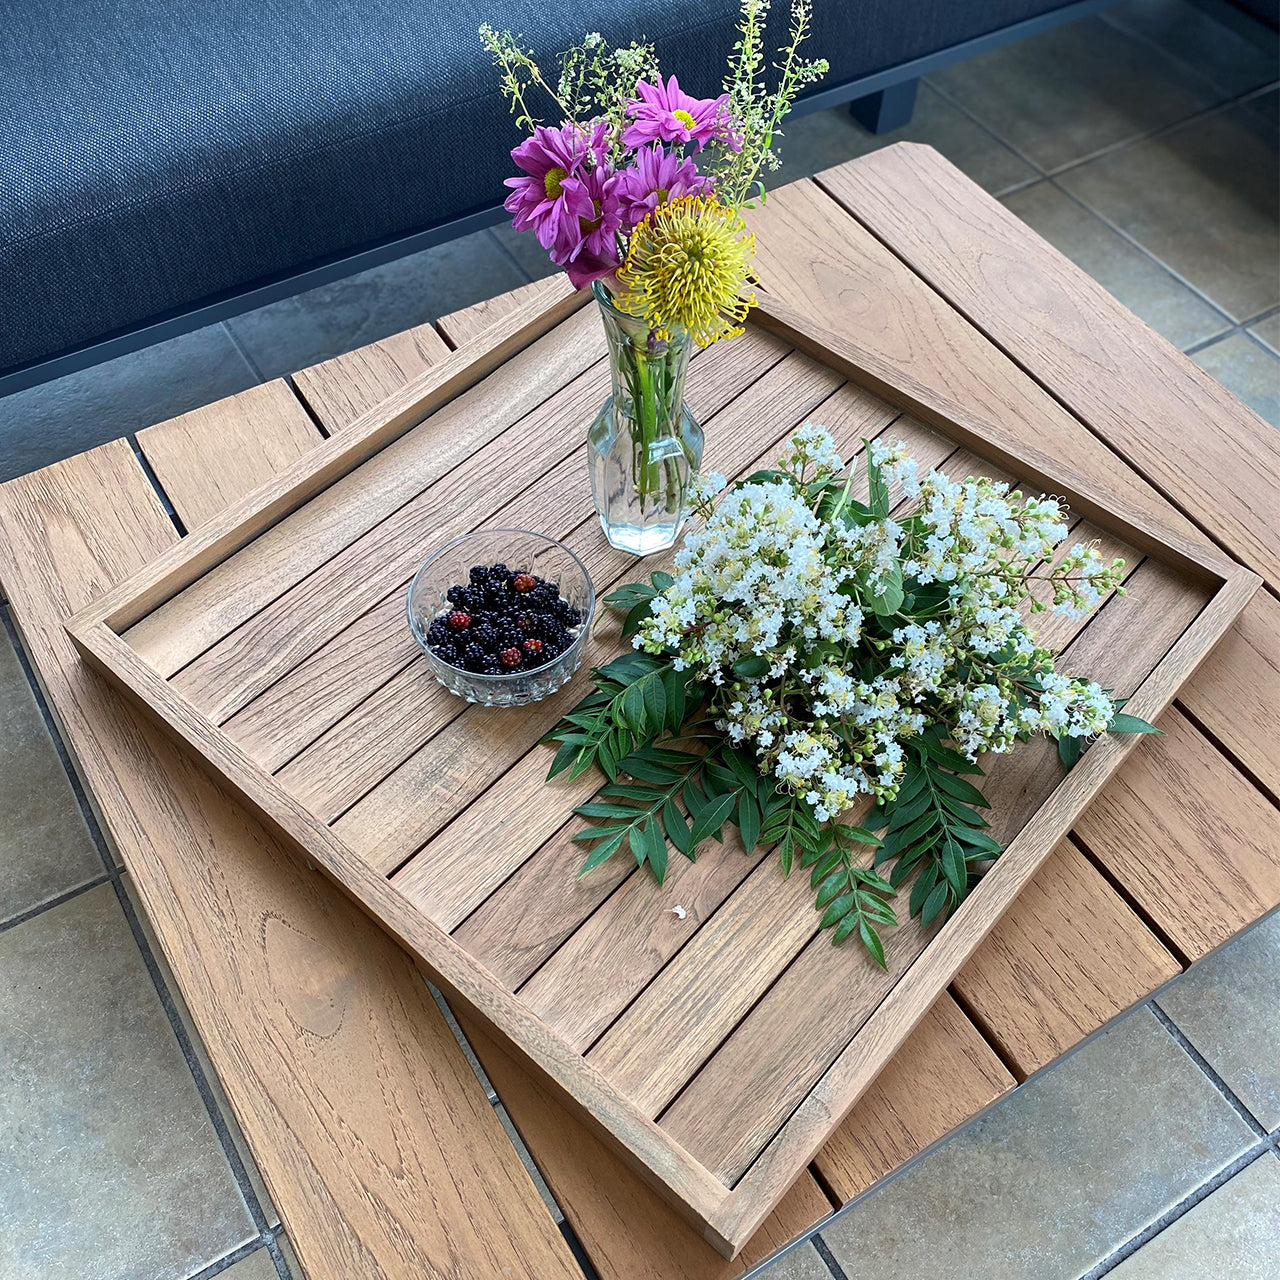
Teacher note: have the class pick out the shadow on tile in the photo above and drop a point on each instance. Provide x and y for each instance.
(109, 1163)
(1226, 1006)
(802, 1263)
(45, 848)
(1055, 1178)
(303, 330)
(1069, 93)
(69, 415)
(1183, 30)
(1144, 286)
(1248, 370)
(1203, 199)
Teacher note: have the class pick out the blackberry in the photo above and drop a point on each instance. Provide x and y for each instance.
(438, 632)
(479, 574)
(486, 636)
(493, 667)
(459, 620)
(510, 657)
(473, 657)
(459, 596)
(499, 570)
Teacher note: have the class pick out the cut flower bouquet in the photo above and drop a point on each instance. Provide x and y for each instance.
(818, 670)
(637, 190)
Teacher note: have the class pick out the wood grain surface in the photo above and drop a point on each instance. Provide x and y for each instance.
(207, 458)
(299, 998)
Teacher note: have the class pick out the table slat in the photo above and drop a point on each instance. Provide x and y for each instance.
(300, 999)
(1197, 443)
(1065, 958)
(207, 458)
(460, 327)
(1190, 839)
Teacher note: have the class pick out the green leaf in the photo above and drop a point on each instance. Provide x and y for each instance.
(743, 770)
(751, 668)
(858, 835)
(846, 927)
(712, 818)
(1123, 722)
(564, 757)
(633, 709)
(655, 702)
(903, 815)
(786, 854)
(655, 848)
(902, 839)
(923, 887)
(606, 849)
(677, 828)
(674, 686)
(871, 940)
(975, 839)
(748, 820)
(959, 788)
(647, 771)
(934, 903)
(835, 884)
(970, 817)
(1070, 750)
(890, 595)
(837, 909)
(635, 619)
(595, 810)
(662, 581)
(953, 865)
(596, 833)
(949, 759)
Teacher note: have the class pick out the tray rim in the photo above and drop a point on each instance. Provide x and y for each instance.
(727, 1216)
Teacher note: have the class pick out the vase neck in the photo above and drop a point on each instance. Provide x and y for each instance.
(647, 370)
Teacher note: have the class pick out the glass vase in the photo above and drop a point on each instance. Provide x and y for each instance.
(644, 446)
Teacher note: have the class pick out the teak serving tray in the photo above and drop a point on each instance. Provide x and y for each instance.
(717, 1047)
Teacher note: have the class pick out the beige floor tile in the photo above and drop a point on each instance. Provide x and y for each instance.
(1203, 199)
(1228, 1006)
(108, 1162)
(1248, 370)
(800, 1264)
(1066, 94)
(1233, 1234)
(1145, 287)
(1056, 1178)
(1268, 331)
(827, 138)
(45, 847)
(257, 1266)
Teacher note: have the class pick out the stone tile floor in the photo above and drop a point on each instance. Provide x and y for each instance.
(1142, 144)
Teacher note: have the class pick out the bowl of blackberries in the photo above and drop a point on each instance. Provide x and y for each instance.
(502, 615)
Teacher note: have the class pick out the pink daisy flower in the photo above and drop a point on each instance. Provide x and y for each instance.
(548, 201)
(588, 249)
(656, 177)
(666, 114)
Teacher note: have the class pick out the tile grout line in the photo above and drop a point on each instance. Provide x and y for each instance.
(1228, 1094)
(83, 803)
(1240, 326)
(69, 896)
(228, 1260)
(1183, 1207)
(114, 876)
(243, 350)
(828, 1258)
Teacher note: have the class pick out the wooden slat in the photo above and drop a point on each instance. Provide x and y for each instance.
(944, 1074)
(342, 389)
(1235, 695)
(399, 815)
(813, 255)
(210, 456)
(227, 589)
(461, 327)
(1194, 844)
(1065, 958)
(627, 1231)
(300, 999)
(335, 679)
(1215, 457)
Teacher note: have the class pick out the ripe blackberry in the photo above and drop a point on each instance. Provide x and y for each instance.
(493, 668)
(474, 657)
(486, 636)
(438, 632)
(459, 596)
(499, 571)
(478, 575)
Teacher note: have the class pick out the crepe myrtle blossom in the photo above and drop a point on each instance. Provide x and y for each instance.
(779, 604)
(657, 176)
(665, 113)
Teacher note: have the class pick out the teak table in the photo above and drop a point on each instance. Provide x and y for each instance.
(374, 1137)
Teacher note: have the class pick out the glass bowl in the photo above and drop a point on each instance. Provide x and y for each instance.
(521, 550)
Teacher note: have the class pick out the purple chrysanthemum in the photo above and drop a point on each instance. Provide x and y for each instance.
(656, 177)
(587, 250)
(664, 113)
(548, 201)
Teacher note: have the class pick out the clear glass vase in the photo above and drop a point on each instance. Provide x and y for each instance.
(644, 446)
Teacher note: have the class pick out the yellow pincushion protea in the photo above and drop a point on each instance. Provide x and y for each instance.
(689, 267)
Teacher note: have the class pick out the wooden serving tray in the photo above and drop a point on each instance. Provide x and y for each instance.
(715, 1048)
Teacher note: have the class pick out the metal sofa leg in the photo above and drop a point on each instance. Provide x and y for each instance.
(891, 108)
